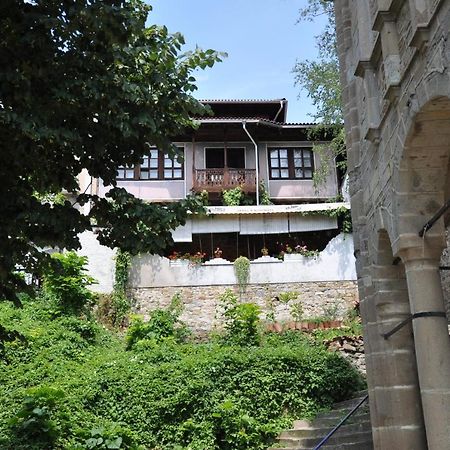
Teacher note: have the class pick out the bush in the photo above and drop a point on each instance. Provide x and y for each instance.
(242, 322)
(39, 422)
(66, 282)
(163, 323)
(160, 394)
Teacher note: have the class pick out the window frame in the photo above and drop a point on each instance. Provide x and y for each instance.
(225, 149)
(291, 166)
(160, 168)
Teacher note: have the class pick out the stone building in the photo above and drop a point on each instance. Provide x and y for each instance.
(394, 57)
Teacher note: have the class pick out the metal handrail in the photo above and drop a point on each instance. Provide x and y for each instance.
(325, 439)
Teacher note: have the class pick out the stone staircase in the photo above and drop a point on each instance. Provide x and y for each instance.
(355, 434)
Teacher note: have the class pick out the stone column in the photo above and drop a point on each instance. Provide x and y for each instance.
(432, 341)
(398, 421)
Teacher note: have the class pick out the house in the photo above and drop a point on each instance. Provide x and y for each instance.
(256, 170)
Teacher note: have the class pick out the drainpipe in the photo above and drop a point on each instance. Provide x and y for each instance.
(281, 107)
(256, 162)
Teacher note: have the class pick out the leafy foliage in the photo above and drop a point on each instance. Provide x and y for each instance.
(321, 80)
(242, 271)
(241, 320)
(37, 425)
(163, 323)
(66, 282)
(167, 395)
(86, 86)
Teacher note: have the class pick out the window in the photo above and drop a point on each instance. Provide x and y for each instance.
(154, 166)
(291, 163)
(219, 157)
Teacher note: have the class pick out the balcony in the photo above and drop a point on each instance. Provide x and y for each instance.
(217, 180)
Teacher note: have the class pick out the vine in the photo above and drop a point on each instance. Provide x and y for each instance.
(242, 272)
(342, 213)
(120, 304)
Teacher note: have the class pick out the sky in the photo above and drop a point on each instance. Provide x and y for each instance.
(263, 41)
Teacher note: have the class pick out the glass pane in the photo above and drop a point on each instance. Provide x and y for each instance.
(154, 153)
(275, 173)
(153, 174)
(283, 153)
(177, 173)
(284, 173)
(144, 175)
(274, 153)
(176, 163)
(274, 162)
(298, 173)
(297, 153)
(144, 162)
(284, 163)
(129, 173)
(308, 173)
(297, 162)
(167, 162)
(120, 173)
(168, 173)
(153, 163)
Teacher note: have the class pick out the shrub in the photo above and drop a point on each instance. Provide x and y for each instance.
(39, 422)
(161, 394)
(242, 272)
(66, 282)
(241, 320)
(163, 323)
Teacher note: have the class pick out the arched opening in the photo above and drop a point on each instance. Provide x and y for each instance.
(421, 189)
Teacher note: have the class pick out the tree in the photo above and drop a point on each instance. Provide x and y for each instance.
(85, 85)
(320, 78)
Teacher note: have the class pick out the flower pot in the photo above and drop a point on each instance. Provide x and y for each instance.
(277, 327)
(290, 325)
(299, 325)
(336, 323)
(311, 326)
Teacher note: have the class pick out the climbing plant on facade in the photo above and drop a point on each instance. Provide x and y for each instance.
(242, 272)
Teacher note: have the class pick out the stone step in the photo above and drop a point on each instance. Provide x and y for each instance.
(331, 421)
(317, 431)
(348, 446)
(338, 414)
(348, 403)
(361, 437)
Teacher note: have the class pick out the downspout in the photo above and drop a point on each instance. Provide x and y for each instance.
(256, 161)
(281, 108)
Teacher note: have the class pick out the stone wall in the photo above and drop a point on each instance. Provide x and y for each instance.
(394, 63)
(201, 303)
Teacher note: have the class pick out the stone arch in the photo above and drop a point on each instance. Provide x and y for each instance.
(391, 363)
(421, 183)
(422, 180)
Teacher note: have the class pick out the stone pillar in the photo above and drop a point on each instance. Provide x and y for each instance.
(432, 341)
(398, 421)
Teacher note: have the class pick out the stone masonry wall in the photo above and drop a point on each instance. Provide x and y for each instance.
(201, 312)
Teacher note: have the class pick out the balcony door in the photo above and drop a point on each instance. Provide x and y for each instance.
(219, 158)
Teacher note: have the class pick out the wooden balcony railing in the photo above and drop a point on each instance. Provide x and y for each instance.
(216, 180)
